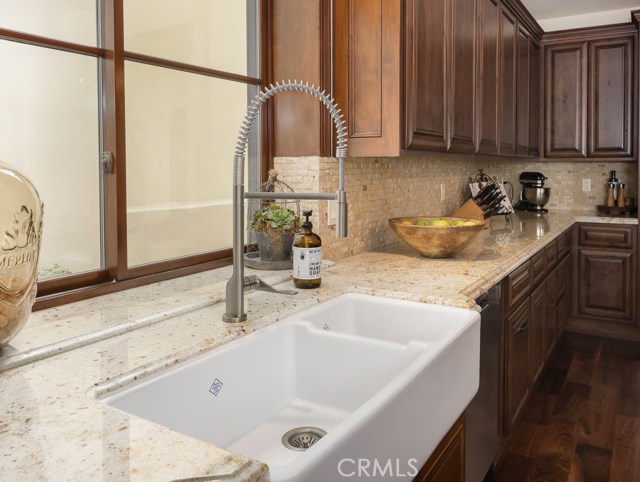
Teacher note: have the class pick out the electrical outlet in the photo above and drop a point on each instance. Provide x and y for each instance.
(442, 192)
(586, 185)
(332, 213)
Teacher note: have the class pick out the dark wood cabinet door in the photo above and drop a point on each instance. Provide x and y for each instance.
(606, 284)
(566, 100)
(517, 362)
(446, 464)
(563, 310)
(563, 278)
(534, 101)
(536, 331)
(427, 36)
(487, 85)
(523, 43)
(610, 108)
(507, 82)
(550, 330)
(461, 56)
(440, 75)
(366, 74)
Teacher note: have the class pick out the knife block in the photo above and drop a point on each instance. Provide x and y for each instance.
(471, 210)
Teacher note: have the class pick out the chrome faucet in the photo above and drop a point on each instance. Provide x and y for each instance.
(238, 283)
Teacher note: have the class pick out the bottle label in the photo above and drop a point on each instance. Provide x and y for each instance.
(306, 262)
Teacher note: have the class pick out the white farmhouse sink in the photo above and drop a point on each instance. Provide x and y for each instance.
(388, 319)
(381, 398)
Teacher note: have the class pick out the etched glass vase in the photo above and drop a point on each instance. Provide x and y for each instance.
(20, 233)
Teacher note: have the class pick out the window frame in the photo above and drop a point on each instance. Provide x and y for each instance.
(117, 275)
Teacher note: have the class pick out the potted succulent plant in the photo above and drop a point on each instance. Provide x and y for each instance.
(275, 226)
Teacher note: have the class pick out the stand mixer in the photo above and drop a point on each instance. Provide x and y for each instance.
(534, 195)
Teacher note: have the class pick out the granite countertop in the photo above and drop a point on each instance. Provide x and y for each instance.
(52, 426)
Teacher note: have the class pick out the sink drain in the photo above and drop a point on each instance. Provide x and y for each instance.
(302, 438)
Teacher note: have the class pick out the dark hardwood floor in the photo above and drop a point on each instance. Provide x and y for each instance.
(582, 422)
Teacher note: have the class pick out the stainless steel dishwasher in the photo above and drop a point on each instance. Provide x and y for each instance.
(482, 431)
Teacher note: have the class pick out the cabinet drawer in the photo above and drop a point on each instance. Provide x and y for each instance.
(538, 266)
(606, 236)
(517, 285)
(563, 278)
(550, 253)
(563, 244)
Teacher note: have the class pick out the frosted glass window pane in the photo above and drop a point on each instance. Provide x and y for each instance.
(69, 20)
(208, 33)
(49, 130)
(181, 134)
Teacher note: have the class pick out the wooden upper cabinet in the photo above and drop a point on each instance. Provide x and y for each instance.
(566, 100)
(462, 61)
(427, 84)
(488, 61)
(610, 109)
(534, 100)
(589, 91)
(523, 44)
(431, 75)
(300, 125)
(507, 81)
(367, 74)
(440, 75)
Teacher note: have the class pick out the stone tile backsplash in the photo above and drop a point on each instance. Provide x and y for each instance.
(383, 188)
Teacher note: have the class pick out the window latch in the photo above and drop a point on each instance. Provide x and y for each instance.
(106, 159)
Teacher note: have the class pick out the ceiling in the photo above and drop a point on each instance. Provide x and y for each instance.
(545, 9)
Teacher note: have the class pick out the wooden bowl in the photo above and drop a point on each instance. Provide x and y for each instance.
(436, 241)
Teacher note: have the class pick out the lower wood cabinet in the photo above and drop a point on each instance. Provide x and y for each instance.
(550, 330)
(518, 376)
(563, 293)
(605, 284)
(446, 464)
(606, 273)
(536, 331)
(536, 299)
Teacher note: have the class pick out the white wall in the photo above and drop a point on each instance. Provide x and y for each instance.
(588, 19)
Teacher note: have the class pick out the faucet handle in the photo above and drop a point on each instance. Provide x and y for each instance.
(253, 283)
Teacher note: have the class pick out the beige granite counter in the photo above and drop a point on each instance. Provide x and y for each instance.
(52, 428)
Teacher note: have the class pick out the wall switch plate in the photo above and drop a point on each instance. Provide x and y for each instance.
(442, 192)
(586, 185)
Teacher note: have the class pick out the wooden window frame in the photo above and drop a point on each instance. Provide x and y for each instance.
(117, 275)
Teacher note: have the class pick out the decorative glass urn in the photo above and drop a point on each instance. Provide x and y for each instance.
(20, 233)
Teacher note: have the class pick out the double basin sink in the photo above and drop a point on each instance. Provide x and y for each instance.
(358, 384)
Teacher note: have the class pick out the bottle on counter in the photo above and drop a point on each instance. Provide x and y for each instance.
(620, 200)
(613, 183)
(307, 256)
(611, 201)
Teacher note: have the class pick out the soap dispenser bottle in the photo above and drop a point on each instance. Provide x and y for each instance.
(307, 256)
